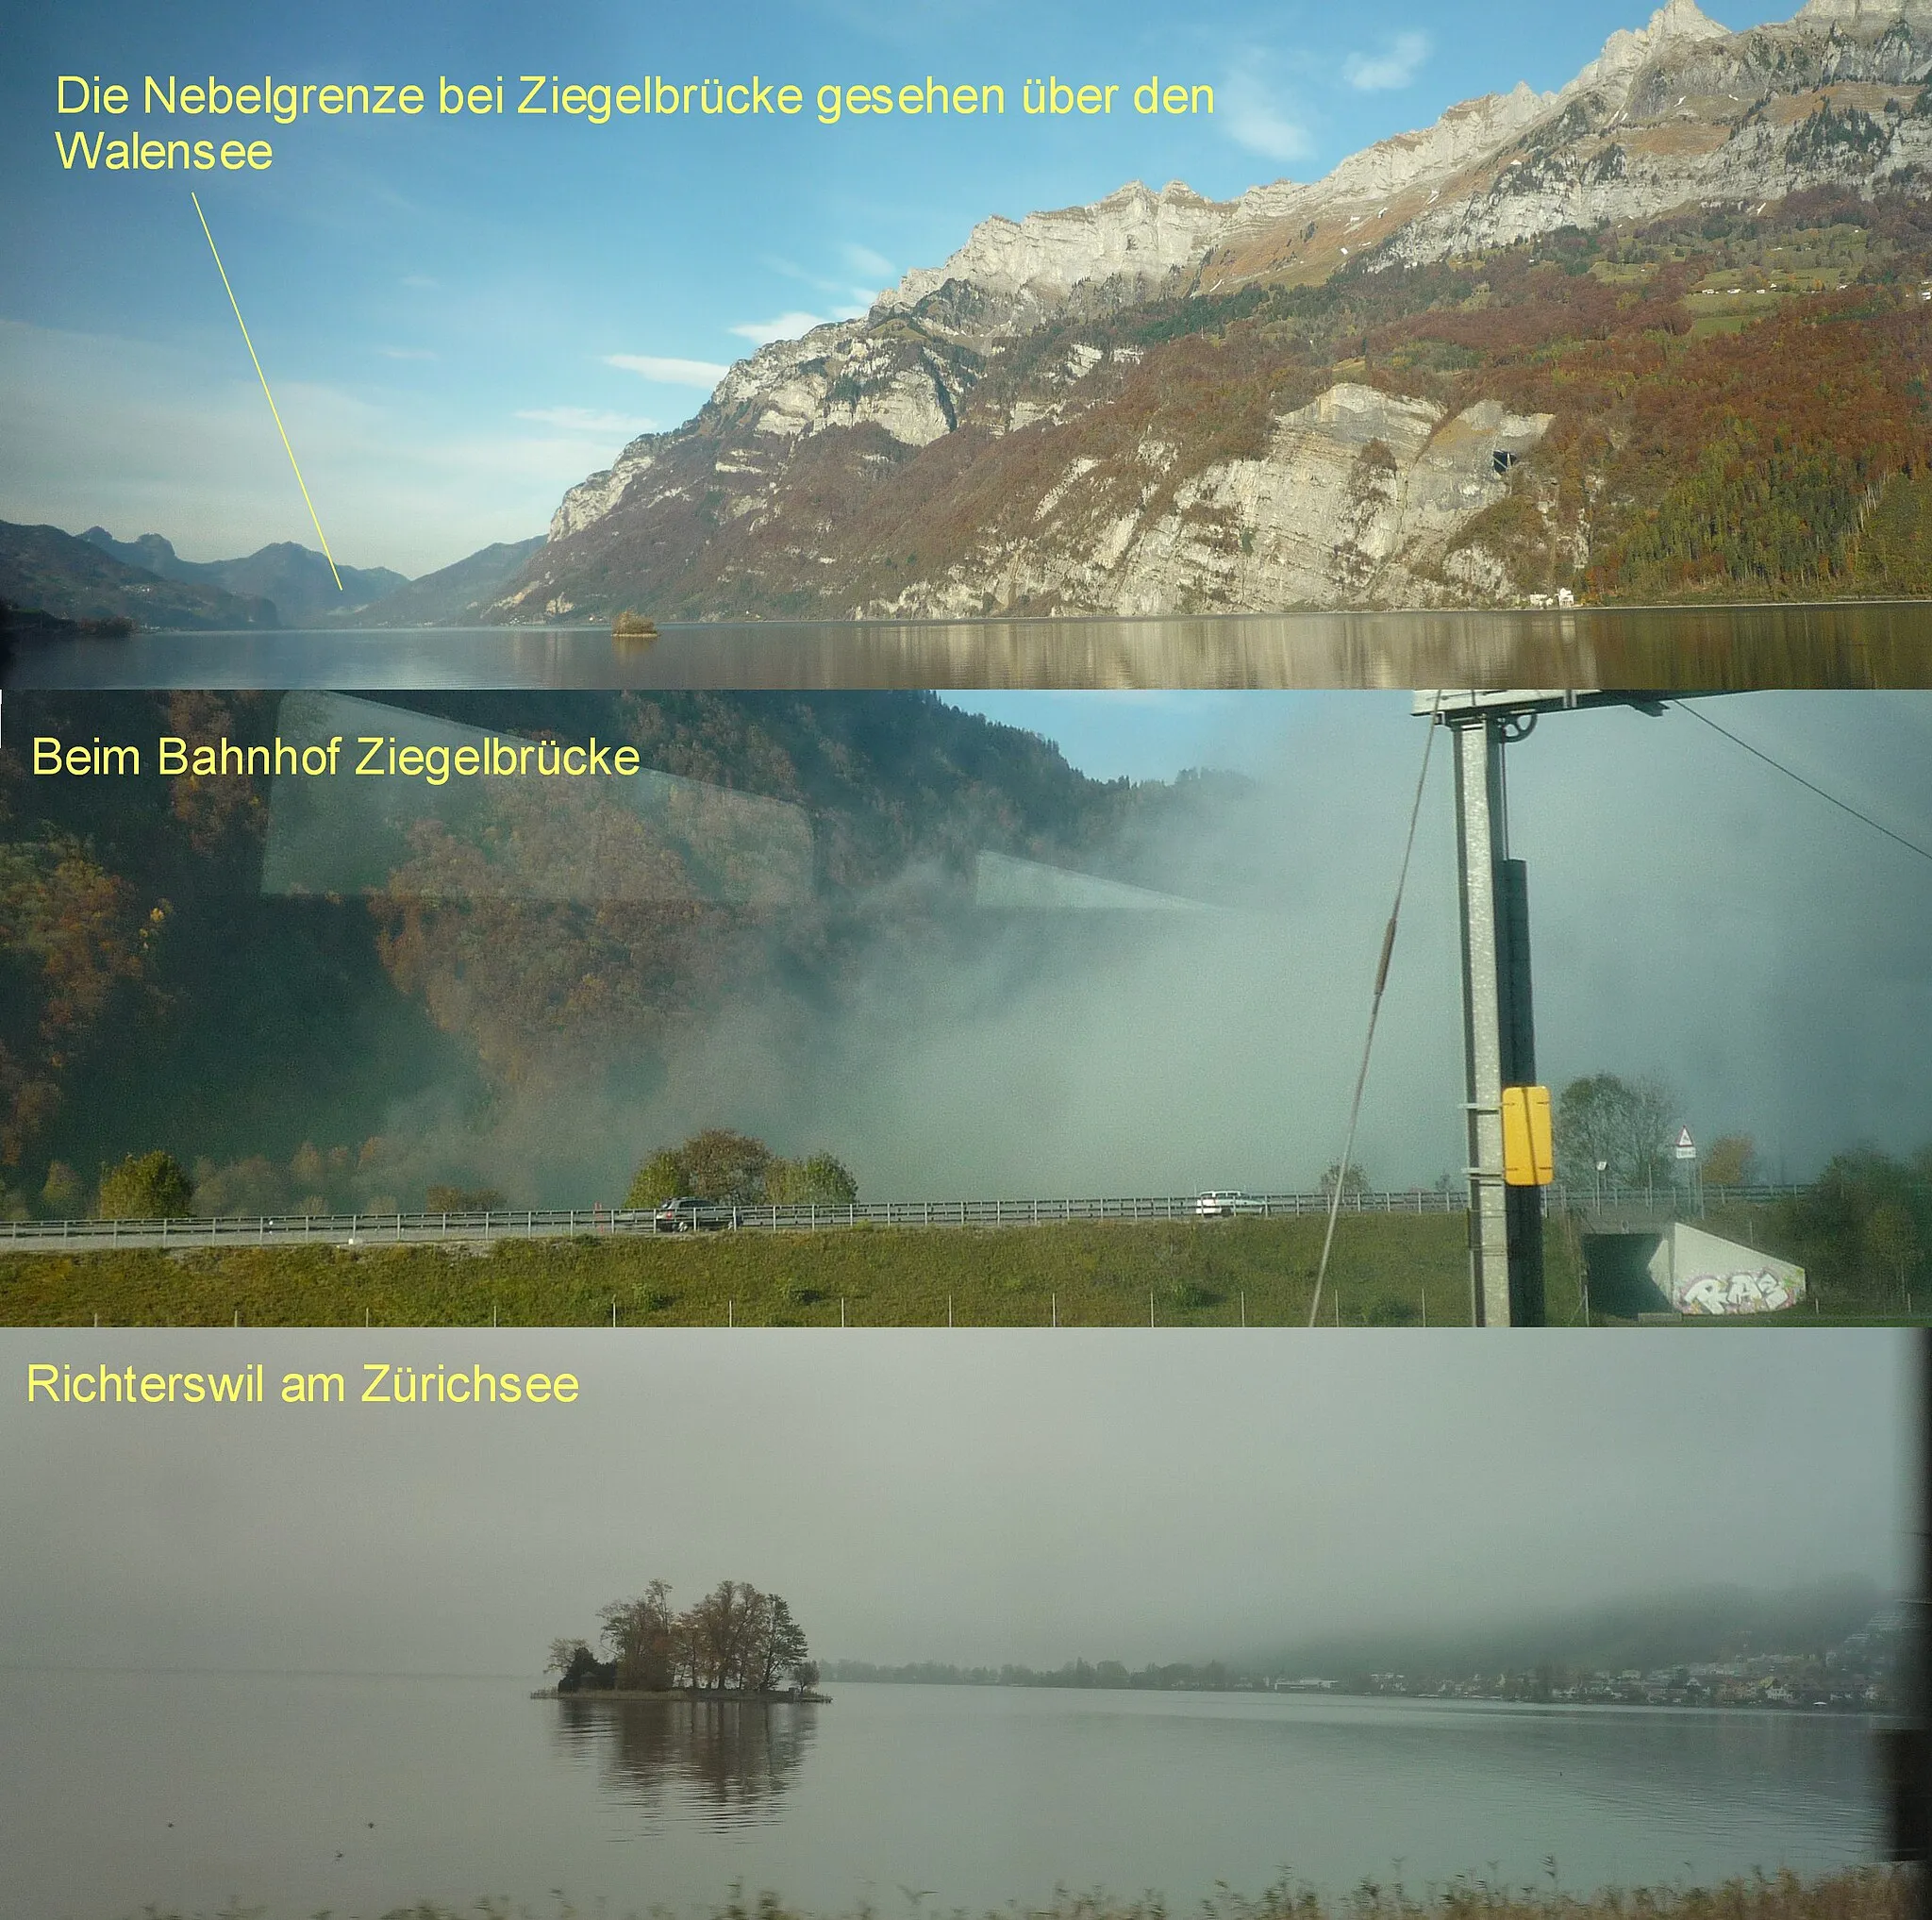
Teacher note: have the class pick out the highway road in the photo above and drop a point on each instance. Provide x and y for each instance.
(402, 1229)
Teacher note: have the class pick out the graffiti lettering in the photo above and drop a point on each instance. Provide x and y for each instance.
(1746, 1292)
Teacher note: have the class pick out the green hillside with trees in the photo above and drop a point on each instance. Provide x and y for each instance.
(1762, 444)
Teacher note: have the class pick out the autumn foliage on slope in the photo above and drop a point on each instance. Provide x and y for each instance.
(152, 995)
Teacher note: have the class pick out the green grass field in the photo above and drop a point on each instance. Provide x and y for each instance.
(1390, 1270)
(1386, 1269)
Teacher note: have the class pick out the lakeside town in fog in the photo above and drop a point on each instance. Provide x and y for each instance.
(1857, 1675)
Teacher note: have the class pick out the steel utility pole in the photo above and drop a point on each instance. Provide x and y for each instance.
(1506, 1223)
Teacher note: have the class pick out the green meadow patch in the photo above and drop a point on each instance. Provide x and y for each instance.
(1386, 1269)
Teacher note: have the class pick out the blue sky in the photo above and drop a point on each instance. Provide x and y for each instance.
(1155, 736)
(461, 316)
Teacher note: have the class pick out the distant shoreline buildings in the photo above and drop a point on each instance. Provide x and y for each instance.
(1859, 1674)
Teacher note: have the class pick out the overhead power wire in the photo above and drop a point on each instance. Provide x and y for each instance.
(1355, 1106)
(274, 411)
(1809, 786)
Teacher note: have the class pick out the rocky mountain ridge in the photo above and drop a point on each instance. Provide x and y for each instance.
(1347, 491)
(300, 581)
(75, 579)
(454, 596)
(93, 578)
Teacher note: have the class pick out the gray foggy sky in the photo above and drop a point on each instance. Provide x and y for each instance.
(965, 1497)
(1695, 915)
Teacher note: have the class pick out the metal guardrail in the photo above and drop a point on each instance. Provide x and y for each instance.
(401, 1229)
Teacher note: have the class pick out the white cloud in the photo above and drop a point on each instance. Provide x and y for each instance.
(862, 260)
(848, 301)
(785, 327)
(406, 353)
(588, 420)
(1255, 117)
(791, 269)
(419, 280)
(1395, 66)
(668, 372)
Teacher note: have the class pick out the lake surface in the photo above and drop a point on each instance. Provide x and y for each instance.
(356, 1794)
(1874, 644)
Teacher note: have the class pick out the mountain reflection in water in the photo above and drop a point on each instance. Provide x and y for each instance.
(734, 1758)
(1841, 643)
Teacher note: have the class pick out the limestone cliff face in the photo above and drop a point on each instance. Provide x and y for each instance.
(848, 374)
(590, 500)
(1684, 114)
(1360, 496)
(1026, 270)
(1679, 112)
(1861, 13)
(1355, 501)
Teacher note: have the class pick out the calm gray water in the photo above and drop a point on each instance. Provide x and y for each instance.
(1879, 644)
(354, 1793)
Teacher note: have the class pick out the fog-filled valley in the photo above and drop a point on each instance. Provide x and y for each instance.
(877, 925)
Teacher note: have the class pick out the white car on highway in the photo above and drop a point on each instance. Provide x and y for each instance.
(1224, 1204)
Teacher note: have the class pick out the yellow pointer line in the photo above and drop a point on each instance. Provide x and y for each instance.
(270, 398)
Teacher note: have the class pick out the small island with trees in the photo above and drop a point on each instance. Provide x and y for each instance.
(735, 1644)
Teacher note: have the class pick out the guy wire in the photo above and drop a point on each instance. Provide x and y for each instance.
(1355, 1106)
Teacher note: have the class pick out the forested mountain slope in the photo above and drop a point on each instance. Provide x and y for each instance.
(1662, 334)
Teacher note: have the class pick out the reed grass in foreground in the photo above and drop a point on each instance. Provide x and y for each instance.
(1870, 1892)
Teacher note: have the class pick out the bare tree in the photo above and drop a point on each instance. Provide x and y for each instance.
(640, 1635)
(1625, 1125)
(563, 1654)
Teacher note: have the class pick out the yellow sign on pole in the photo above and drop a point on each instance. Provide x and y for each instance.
(1528, 1159)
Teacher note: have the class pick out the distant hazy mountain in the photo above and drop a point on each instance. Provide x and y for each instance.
(454, 596)
(1667, 1630)
(297, 578)
(75, 579)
